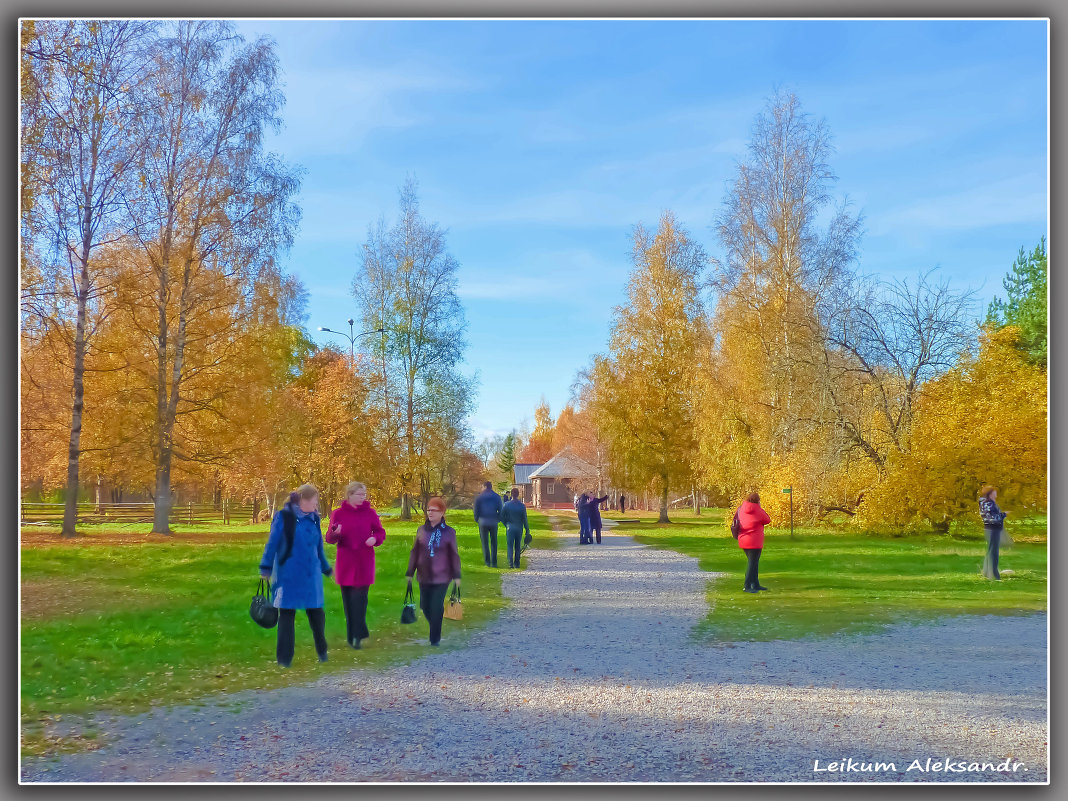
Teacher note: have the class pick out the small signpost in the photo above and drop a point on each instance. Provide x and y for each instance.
(790, 491)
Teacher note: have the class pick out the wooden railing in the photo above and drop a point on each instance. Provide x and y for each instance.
(188, 513)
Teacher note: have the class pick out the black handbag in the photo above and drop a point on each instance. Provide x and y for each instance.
(260, 610)
(736, 526)
(408, 613)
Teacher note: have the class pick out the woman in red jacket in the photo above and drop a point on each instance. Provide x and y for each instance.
(436, 557)
(356, 529)
(751, 539)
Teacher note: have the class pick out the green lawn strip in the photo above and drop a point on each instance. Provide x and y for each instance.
(165, 623)
(823, 582)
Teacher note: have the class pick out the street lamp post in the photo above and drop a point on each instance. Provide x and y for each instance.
(352, 337)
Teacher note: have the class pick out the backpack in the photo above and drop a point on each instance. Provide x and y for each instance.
(736, 526)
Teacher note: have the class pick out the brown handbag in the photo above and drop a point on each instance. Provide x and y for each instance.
(454, 610)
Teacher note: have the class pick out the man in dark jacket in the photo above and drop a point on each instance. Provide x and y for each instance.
(514, 517)
(593, 517)
(488, 515)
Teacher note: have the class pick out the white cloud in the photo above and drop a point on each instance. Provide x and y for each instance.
(1002, 202)
(332, 110)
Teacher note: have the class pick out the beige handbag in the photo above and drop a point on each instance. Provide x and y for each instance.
(454, 610)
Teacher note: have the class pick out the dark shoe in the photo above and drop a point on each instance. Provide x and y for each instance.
(761, 587)
(750, 589)
(436, 644)
(322, 656)
(284, 664)
(355, 643)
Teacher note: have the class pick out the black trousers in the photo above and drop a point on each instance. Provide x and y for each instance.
(286, 621)
(596, 529)
(432, 602)
(355, 602)
(753, 556)
(514, 537)
(488, 536)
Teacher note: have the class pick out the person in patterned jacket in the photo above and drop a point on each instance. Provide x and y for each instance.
(994, 525)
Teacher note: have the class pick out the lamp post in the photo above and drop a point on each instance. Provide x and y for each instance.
(352, 337)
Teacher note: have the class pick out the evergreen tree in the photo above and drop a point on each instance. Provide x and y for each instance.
(506, 462)
(1025, 286)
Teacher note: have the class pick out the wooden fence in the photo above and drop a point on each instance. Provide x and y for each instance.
(189, 513)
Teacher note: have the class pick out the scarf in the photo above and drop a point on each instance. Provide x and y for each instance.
(434, 540)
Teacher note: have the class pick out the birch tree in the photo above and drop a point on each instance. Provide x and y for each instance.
(646, 403)
(215, 208)
(82, 98)
(407, 286)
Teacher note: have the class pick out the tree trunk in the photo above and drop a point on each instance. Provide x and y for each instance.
(696, 502)
(255, 509)
(162, 507)
(406, 501)
(664, 502)
(99, 493)
(70, 508)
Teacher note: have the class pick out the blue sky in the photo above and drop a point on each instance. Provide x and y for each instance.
(539, 144)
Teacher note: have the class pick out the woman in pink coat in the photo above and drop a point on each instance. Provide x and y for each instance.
(356, 529)
(751, 539)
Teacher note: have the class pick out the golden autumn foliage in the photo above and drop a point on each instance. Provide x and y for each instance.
(538, 448)
(984, 422)
(644, 404)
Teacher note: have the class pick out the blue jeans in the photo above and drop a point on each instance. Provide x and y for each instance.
(487, 533)
(514, 537)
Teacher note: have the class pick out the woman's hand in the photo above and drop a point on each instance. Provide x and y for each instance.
(370, 541)
(264, 575)
(336, 529)
(457, 583)
(409, 581)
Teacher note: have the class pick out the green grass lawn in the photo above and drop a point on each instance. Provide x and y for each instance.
(124, 627)
(824, 582)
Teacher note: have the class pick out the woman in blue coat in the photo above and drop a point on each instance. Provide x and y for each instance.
(295, 563)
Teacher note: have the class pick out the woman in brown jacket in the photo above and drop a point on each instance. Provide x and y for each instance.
(437, 560)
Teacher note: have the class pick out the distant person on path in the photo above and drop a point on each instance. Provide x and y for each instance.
(594, 516)
(435, 560)
(582, 506)
(487, 510)
(751, 539)
(295, 563)
(994, 526)
(357, 531)
(622, 503)
(514, 517)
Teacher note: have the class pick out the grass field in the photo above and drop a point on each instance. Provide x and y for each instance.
(119, 621)
(822, 582)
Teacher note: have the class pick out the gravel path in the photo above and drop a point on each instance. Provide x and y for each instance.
(591, 677)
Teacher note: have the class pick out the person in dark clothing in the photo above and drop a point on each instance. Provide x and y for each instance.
(993, 527)
(514, 517)
(582, 506)
(487, 509)
(437, 559)
(622, 503)
(593, 514)
(294, 561)
(751, 539)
